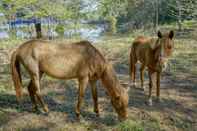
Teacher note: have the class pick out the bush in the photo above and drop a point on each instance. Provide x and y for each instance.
(112, 24)
(60, 29)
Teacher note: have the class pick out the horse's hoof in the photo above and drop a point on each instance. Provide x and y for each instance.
(35, 109)
(46, 109)
(97, 114)
(134, 84)
(150, 103)
(78, 117)
(46, 113)
(77, 114)
(143, 88)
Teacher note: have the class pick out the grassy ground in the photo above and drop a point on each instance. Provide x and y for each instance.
(176, 112)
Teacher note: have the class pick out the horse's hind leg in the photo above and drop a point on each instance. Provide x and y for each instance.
(134, 74)
(151, 84)
(142, 76)
(33, 68)
(36, 79)
(94, 96)
(31, 90)
(158, 85)
(133, 62)
(82, 86)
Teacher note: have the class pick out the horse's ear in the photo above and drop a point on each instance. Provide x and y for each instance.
(159, 34)
(171, 34)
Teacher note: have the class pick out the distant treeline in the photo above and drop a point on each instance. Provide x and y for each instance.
(130, 14)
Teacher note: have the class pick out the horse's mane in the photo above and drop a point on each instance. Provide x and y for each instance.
(110, 81)
(91, 49)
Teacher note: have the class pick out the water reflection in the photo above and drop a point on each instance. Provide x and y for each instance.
(87, 32)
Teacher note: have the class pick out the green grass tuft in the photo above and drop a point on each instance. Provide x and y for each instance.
(130, 125)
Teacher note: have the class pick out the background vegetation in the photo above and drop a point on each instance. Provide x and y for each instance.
(118, 16)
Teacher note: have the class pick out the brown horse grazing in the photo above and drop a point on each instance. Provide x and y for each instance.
(152, 53)
(67, 61)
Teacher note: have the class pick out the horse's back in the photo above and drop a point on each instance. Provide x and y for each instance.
(141, 48)
(141, 40)
(62, 60)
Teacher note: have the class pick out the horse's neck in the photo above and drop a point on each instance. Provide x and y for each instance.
(111, 82)
(153, 43)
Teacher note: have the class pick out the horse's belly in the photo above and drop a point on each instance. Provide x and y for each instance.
(60, 68)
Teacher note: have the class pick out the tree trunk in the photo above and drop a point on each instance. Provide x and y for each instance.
(156, 14)
(179, 20)
(38, 30)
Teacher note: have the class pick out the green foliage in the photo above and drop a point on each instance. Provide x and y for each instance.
(35, 8)
(130, 125)
(60, 29)
(4, 118)
(112, 8)
(112, 24)
(189, 24)
(130, 14)
(148, 13)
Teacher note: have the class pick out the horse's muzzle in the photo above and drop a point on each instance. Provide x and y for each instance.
(163, 62)
(123, 118)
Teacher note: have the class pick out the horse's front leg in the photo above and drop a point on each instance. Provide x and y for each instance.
(158, 85)
(133, 75)
(95, 97)
(82, 86)
(151, 84)
(132, 69)
(31, 90)
(142, 76)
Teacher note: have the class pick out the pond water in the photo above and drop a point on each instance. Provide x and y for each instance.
(87, 32)
(92, 34)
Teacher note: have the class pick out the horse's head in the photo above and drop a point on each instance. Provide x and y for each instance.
(164, 48)
(120, 104)
(118, 94)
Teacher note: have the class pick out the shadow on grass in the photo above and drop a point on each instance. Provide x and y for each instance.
(65, 105)
(178, 113)
(34, 129)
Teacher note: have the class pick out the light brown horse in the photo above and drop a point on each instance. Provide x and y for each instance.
(67, 61)
(152, 53)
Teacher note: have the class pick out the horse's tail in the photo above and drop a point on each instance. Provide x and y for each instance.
(16, 76)
(131, 60)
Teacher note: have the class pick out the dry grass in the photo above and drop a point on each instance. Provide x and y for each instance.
(177, 111)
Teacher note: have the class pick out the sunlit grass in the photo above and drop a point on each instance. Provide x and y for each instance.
(184, 58)
(10, 43)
